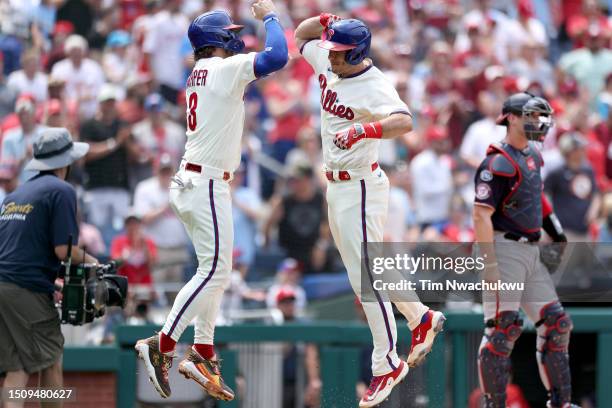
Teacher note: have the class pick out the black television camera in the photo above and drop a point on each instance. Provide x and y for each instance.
(88, 289)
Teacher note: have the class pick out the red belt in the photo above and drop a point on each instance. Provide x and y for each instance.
(196, 168)
(344, 175)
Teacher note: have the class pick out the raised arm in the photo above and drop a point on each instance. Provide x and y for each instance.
(275, 54)
(312, 28)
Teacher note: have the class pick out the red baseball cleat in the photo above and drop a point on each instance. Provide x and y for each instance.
(382, 385)
(423, 337)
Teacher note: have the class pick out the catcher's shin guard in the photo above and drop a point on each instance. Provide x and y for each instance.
(494, 357)
(554, 329)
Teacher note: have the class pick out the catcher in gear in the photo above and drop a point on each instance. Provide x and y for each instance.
(509, 212)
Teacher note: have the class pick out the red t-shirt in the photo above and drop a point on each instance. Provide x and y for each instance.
(135, 265)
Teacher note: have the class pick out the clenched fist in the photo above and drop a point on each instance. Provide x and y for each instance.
(262, 8)
(346, 139)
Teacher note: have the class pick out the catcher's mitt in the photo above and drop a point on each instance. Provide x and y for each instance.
(551, 255)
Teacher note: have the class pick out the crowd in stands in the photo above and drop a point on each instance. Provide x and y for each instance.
(113, 72)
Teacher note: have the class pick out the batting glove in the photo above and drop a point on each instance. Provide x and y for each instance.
(327, 19)
(346, 139)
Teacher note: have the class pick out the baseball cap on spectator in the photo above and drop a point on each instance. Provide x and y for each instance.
(63, 27)
(436, 133)
(154, 103)
(441, 48)
(571, 141)
(25, 102)
(75, 41)
(525, 8)
(165, 162)
(108, 92)
(289, 265)
(132, 215)
(118, 38)
(285, 294)
(300, 169)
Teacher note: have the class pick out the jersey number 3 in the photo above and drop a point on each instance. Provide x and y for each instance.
(191, 117)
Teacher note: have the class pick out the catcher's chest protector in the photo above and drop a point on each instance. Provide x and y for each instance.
(523, 203)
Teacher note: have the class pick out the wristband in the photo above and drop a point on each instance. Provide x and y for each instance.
(269, 17)
(373, 130)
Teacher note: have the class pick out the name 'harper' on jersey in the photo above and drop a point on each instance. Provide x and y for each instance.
(197, 78)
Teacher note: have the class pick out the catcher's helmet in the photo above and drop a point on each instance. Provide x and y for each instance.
(215, 29)
(525, 104)
(350, 35)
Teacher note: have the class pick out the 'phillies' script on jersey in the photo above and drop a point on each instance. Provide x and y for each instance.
(197, 78)
(328, 100)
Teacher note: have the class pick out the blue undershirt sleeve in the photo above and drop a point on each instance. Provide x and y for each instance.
(275, 54)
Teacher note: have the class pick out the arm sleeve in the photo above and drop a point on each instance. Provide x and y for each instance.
(490, 189)
(64, 220)
(275, 54)
(316, 56)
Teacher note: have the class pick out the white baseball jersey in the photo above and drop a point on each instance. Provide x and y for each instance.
(215, 110)
(364, 97)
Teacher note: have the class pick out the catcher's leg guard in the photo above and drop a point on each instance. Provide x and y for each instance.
(554, 329)
(494, 357)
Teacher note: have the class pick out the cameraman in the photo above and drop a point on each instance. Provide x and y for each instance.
(36, 221)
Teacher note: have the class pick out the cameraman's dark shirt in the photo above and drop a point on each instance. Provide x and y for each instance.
(34, 219)
(112, 169)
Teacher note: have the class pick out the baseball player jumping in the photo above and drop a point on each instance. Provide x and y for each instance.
(510, 210)
(200, 193)
(359, 106)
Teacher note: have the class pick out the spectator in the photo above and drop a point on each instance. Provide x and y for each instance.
(432, 182)
(106, 165)
(136, 253)
(246, 213)
(590, 65)
(151, 203)
(162, 46)
(285, 302)
(288, 277)
(138, 86)
(17, 142)
(308, 149)
(298, 215)
(90, 237)
(119, 59)
(532, 66)
(29, 80)
(83, 76)
(483, 132)
(573, 189)
(8, 178)
(7, 95)
(155, 136)
(401, 216)
(53, 115)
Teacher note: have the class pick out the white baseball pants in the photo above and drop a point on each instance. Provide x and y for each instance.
(204, 206)
(357, 211)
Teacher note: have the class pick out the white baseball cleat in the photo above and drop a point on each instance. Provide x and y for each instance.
(382, 385)
(423, 337)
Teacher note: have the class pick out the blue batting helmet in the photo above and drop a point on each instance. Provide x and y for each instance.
(350, 35)
(215, 29)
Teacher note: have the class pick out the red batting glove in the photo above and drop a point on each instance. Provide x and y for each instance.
(326, 19)
(346, 139)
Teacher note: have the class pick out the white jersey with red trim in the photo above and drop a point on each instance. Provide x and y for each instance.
(361, 98)
(215, 110)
